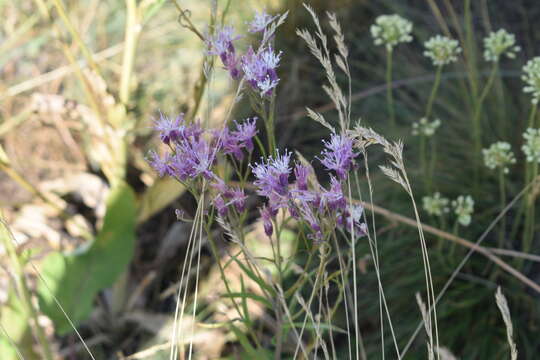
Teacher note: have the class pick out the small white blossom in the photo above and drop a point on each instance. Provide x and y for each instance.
(531, 148)
(390, 30)
(500, 43)
(442, 50)
(532, 77)
(425, 128)
(463, 208)
(499, 155)
(436, 205)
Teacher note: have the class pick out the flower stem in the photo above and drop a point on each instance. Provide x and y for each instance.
(389, 94)
(434, 90)
(502, 194)
(477, 126)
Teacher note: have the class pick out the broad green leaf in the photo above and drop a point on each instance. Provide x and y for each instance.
(157, 197)
(76, 278)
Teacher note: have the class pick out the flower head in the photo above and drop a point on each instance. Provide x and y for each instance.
(267, 220)
(234, 141)
(531, 148)
(220, 43)
(260, 69)
(338, 155)
(169, 129)
(390, 30)
(161, 165)
(499, 155)
(301, 173)
(272, 179)
(435, 205)
(442, 50)
(425, 128)
(500, 43)
(192, 158)
(352, 218)
(463, 207)
(260, 21)
(531, 77)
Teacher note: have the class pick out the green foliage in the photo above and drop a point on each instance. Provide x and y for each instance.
(75, 279)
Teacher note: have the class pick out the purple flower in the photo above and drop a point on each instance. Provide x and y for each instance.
(260, 22)
(169, 129)
(260, 69)
(309, 217)
(333, 199)
(338, 155)
(193, 158)
(234, 141)
(220, 205)
(267, 221)
(301, 173)
(221, 44)
(161, 165)
(354, 219)
(272, 180)
(238, 199)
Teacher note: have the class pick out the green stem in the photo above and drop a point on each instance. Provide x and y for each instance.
(131, 37)
(529, 217)
(477, 126)
(434, 90)
(23, 291)
(423, 159)
(502, 193)
(389, 94)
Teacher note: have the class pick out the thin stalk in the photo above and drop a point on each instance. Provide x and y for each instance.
(131, 38)
(477, 126)
(24, 292)
(432, 162)
(434, 90)
(423, 159)
(530, 221)
(502, 194)
(389, 94)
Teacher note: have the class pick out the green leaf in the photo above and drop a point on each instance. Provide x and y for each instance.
(75, 279)
(157, 197)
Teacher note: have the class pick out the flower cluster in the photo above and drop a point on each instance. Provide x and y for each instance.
(532, 78)
(435, 205)
(390, 30)
(257, 66)
(500, 43)
(499, 155)
(442, 50)
(316, 206)
(463, 208)
(425, 128)
(191, 156)
(531, 148)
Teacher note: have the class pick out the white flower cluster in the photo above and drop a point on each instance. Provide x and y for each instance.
(532, 77)
(463, 208)
(500, 155)
(442, 50)
(425, 128)
(531, 148)
(500, 43)
(435, 205)
(390, 30)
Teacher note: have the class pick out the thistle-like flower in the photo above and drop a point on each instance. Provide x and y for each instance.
(260, 21)
(234, 141)
(499, 155)
(390, 30)
(531, 77)
(500, 43)
(221, 44)
(442, 50)
(260, 69)
(436, 205)
(425, 128)
(272, 180)
(338, 155)
(531, 148)
(463, 208)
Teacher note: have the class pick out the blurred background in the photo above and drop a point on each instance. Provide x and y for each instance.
(80, 85)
